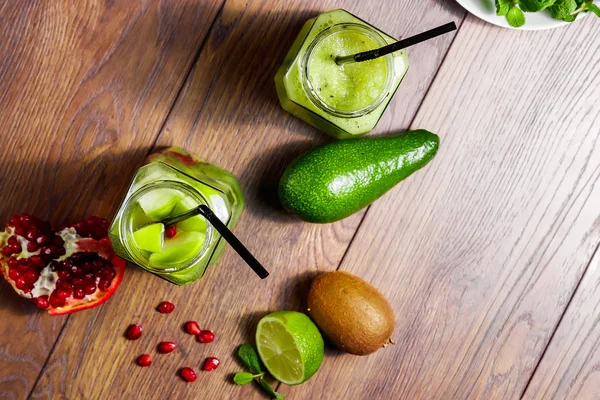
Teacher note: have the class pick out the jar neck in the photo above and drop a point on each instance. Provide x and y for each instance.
(127, 225)
(312, 91)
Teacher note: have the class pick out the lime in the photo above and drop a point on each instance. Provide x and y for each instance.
(183, 247)
(150, 237)
(290, 346)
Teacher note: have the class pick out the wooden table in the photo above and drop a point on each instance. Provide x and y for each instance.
(489, 255)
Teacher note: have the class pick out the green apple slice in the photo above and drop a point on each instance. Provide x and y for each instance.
(193, 224)
(150, 237)
(183, 247)
(159, 203)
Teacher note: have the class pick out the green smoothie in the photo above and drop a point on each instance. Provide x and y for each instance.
(171, 183)
(342, 101)
(350, 87)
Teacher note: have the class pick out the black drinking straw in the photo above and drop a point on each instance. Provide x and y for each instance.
(402, 44)
(225, 232)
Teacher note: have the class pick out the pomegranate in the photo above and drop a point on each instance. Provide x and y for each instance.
(166, 347)
(134, 332)
(211, 363)
(188, 374)
(206, 336)
(192, 328)
(144, 360)
(170, 232)
(62, 270)
(165, 307)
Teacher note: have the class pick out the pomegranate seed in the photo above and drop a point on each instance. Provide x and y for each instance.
(32, 234)
(42, 302)
(77, 281)
(62, 294)
(188, 374)
(206, 336)
(37, 260)
(58, 241)
(211, 363)
(78, 293)
(171, 231)
(89, 288)
(192, 328)
(166, 347)
(55, 302)
(43, 239)
(103, 285)
(166, 308)
(134, 332)
(32, 247)
(13, 274)
(144, 360)
(12, 262)
(64, 275)
(20, 283)
(30, 277)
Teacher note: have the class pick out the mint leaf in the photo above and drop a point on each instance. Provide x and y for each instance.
(248, 355)
(241, 378)
(515, 17)
(562, 9)
(270, 390)
(594, 8)
(502, 6)
(535, 5)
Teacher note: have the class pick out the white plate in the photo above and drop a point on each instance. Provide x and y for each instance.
(486, 10)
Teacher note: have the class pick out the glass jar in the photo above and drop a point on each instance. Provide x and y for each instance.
(185, 182)
(343, 101)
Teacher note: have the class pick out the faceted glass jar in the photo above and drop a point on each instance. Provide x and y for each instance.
(175, 170)
(304, 94)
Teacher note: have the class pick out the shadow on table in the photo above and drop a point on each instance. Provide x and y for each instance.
(62, 193)
(263, 175)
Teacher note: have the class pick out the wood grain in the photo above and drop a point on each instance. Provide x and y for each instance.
(228, 113)
(570, 368)
(84, 89)
(480, 252)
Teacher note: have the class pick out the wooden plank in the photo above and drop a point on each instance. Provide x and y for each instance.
(229, 114)
(570, 368)
(480, 252)
(84, 90)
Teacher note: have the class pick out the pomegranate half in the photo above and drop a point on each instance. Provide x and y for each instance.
(62, 270)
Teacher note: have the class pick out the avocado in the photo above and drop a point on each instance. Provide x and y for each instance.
(336, 180)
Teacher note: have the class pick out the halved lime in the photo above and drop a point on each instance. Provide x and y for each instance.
(150, 237)
(290, 346)
(159, 203)
(180, 249)
(196, 223)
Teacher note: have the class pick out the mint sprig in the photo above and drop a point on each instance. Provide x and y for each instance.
(564, 10)
(248, 356)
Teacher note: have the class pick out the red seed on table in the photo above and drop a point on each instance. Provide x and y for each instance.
(166, 347)
(192, 328)
(166, 308)
(144, 360)
(188, 374)
(211, 363)
(206, 336)
(134, 332)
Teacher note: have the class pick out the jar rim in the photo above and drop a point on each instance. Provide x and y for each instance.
(310, 91)
(126, 228)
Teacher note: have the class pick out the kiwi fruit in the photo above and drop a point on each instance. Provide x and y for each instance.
(351, 313)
